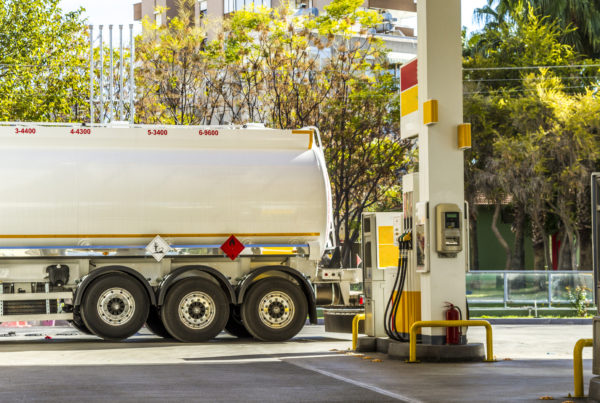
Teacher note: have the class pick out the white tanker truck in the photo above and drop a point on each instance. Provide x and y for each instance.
(111, 227)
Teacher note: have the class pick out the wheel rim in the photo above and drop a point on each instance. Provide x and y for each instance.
(197, 310)
(276, 309)
(116, 306)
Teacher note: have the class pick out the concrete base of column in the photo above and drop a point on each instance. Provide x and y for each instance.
(474, 352)
(594, 394)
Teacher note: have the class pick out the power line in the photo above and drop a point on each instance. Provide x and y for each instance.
(521, 90)
(536, 78)
(569, 66)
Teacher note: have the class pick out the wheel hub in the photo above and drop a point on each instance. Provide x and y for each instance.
(197, 310)
(276, 309)
(116, 306)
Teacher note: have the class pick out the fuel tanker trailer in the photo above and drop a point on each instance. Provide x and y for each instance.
(189, 230)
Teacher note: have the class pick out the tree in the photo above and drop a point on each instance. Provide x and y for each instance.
(43, 64)
(290, 72)
(173, 75)
(579, 19)
(571, 145)
(526, 147)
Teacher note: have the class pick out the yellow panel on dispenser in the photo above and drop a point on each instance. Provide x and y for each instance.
(386, 235)
(388, 256)
(409, 311)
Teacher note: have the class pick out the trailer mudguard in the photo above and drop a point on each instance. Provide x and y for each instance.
(172, 277)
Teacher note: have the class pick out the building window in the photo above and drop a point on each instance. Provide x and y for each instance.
(297, 4)
(230, 6)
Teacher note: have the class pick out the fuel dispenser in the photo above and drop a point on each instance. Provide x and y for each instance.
(380, 258)
(391, 284)
(396, 250)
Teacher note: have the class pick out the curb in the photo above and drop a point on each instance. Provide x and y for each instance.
(539, 321)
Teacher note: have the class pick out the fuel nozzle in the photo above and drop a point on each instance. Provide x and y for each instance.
(405, 241)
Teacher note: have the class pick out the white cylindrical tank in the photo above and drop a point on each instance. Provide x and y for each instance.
(68, 186)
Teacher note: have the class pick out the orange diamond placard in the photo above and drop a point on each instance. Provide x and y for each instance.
(232, 247)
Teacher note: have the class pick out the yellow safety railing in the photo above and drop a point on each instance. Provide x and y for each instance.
(450, 323)
(578, 364)
(355, 320)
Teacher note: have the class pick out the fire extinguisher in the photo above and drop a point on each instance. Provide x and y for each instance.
(453, 333)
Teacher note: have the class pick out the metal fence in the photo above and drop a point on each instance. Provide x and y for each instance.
(527, 287)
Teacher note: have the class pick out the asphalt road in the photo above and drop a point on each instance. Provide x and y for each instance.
(533, 361)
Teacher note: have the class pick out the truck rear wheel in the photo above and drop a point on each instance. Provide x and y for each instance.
(274, 309)
(195, 310)
(114, 307)
(155, 325)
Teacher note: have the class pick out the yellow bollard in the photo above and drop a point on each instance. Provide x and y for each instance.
(450, 323)
(578, 364)
(355, 320)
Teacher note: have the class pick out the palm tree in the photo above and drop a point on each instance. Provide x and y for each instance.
(583, 15)
(496, 12)
(580, 19)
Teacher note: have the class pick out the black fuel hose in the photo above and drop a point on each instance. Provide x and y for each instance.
(389, 323)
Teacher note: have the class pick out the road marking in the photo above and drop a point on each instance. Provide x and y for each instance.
(372, 388)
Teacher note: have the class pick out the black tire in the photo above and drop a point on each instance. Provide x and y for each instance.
(234, 325)
(195, 310)
(115, 306)
(264, 309)
(78, 324)
(155, 325)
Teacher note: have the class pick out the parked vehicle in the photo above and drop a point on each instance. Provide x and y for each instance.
(190, 230)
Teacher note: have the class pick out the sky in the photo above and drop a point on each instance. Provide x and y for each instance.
(121, 11)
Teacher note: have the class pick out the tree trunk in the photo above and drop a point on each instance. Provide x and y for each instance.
(547, 255)
(518, 252)
(538, 254)
(474, 252)
(541, 249)
(564, 253)
(498, 235)
(585, 249)
(572, 251)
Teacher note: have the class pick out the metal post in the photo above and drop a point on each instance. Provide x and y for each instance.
(595, 190)
(111, 93)
(1, 301)
(505, 289)
(101, 89)
(91, 74)
(121, 111)
(131, 81)
(47, 290)
(549, 273)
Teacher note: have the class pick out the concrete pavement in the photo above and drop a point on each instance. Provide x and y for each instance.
(533, 361)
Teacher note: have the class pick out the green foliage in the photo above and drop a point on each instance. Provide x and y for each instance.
(579, 20)
(535, 132)
(170, 76)
(578, 299)
(43, 63)
(524, 40)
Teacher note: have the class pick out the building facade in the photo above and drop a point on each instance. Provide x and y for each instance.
(397, 28)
